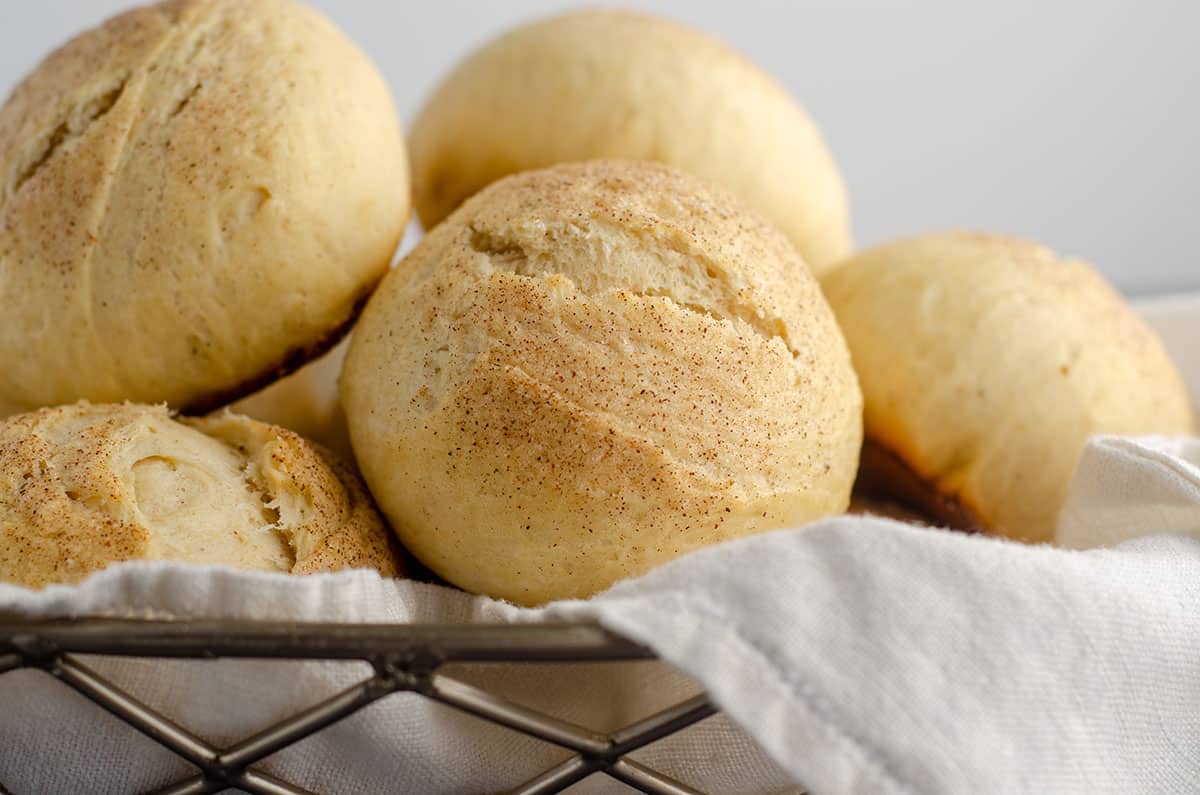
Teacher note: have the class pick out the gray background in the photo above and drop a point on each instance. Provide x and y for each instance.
(1074, 123)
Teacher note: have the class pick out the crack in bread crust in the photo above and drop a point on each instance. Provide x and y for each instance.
(75, 124)
(505, 252)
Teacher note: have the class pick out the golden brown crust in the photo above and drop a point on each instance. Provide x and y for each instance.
(592, 369)
(292, 361)
(885, 476)
(83, 486)
(194, 197)
(59, 522)
(606, 84)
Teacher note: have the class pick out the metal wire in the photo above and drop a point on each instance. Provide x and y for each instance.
(146, 720)
(644, 779)
(500, 711)
(310, 721)
(291, 640)
(558, 778)
(405, 658)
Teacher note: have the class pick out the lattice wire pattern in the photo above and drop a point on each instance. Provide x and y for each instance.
(404, 659)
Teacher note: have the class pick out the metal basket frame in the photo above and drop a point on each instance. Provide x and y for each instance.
(405, 658)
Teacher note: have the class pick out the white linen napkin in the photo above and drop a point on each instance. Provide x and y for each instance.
(859, 654)
(1126, 488)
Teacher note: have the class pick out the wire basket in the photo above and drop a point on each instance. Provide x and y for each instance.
(403, 658)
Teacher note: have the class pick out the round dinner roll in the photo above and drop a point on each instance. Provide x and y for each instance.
(195, 197)
(986, 363)
(613, 84)
(84, 486)
(590, 370)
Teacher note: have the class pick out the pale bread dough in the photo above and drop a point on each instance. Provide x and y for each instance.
(986, 362)
(613, 84)
(195, 197)
(84, 486)
(590, 370)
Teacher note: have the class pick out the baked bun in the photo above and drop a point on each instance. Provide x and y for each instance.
(590, 370)
(987, 362)
(85, 486)
(306, 402)
(195, 197)
(612, 84)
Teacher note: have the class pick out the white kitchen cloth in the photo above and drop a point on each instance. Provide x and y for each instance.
(863, 655)
(1125, 488)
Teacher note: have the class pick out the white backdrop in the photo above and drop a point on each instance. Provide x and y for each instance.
(1075, 123)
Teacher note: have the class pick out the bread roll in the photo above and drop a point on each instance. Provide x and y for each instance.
(612, 84)
(85, 486)
(195, 197)
(306, 402)
(590, 370)
(986, 363)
